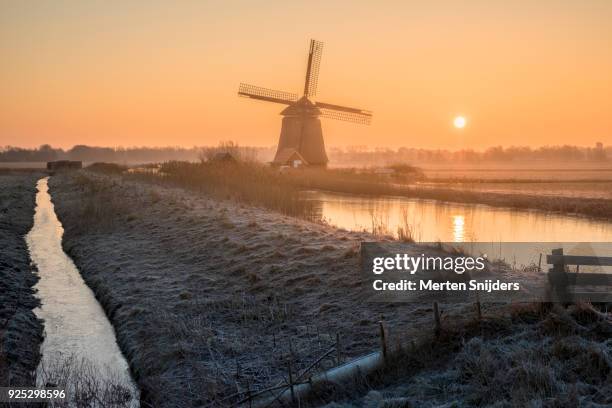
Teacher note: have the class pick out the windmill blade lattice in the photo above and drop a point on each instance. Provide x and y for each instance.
(265, 94)
(312, 70)
(363, 119)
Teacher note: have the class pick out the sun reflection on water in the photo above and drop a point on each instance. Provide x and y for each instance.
(458, 228)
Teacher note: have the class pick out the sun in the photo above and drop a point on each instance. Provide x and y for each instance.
(459, 122)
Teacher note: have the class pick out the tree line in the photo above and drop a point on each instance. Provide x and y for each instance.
(356, 155)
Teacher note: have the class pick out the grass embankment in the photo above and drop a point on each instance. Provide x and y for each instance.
(525, 357)
(20, 330)
(209, 297)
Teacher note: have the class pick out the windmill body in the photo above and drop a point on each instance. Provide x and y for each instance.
(301, 130)
(301, 133)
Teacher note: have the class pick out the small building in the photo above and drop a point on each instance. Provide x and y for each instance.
(64, 165)
(289, 157)
(224, 157)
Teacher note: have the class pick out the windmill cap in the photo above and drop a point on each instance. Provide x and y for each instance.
(303, 106)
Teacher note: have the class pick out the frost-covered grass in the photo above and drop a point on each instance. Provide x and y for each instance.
(20, 330)
(560, 359)
(209, 297)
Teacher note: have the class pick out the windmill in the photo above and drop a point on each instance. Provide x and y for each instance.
(301, 135)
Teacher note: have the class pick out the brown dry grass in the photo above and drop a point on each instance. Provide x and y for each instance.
(248, 182)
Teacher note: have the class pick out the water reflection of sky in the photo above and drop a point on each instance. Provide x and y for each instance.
(75, 324)
(431, 221)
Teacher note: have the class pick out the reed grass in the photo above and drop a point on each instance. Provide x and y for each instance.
(405, 231)
(249, 182)
(101, 208)
(84, 385)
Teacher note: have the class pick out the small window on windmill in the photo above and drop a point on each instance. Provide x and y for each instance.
(297, 163)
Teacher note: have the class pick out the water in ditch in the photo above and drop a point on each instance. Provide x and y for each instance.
(80, 348)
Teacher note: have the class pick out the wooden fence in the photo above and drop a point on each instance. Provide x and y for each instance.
(297, 384)
(565, 283)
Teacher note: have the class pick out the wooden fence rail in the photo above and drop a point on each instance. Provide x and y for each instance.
(562, 280)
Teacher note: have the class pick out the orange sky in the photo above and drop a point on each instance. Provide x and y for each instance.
(166, 73)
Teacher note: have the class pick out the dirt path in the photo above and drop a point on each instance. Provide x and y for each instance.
(208, 296)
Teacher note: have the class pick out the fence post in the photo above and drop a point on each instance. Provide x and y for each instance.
(291, 381)
(436, 318)
(249, 394)
(383, 340)
(540, 263)
(558, 278)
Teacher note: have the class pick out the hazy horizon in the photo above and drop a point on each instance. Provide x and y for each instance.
(273, 146)
(166, 74)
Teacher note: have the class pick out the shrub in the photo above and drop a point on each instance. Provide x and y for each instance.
(107, 168)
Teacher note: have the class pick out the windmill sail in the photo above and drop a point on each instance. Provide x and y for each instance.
(312, 69)
(344, 113)
(265, 94)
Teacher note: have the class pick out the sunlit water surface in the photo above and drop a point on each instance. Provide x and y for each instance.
(75, 325)
(432, 221)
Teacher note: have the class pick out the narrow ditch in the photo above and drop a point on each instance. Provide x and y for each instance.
(79, 351)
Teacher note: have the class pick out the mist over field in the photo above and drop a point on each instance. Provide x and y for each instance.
(350, 155)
